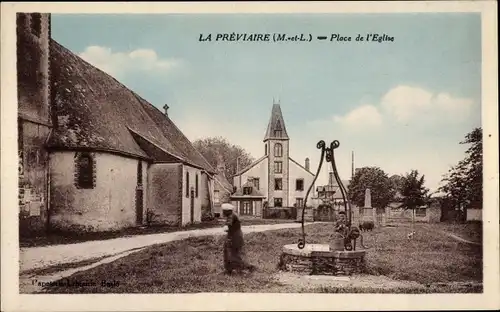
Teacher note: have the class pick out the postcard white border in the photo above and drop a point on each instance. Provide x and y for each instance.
(12, 301)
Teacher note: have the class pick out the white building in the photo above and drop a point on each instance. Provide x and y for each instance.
(274, 178)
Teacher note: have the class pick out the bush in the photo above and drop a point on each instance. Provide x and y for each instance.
(207, 216)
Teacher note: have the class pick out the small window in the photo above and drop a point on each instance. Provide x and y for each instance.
(196, 185)
(187, 184)
(256, 183)
(265, 150)
(278, 202)
(278, 184)
(85, 171)
(36, 24)
(299, 184)
(277, 133)
(299, 202)
(278, 150)
(247, 190)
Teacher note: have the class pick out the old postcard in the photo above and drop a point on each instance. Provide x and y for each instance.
(249, 156)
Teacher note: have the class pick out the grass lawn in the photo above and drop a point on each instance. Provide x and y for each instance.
(471, 231)
(195, 265)
(72, 238)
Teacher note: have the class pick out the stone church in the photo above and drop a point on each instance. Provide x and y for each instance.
(94, 155)
(274, 180)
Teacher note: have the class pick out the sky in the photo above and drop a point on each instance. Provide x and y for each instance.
(399, 105)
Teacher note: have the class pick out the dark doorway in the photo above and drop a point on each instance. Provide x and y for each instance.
(192, 205)
(139, 206)
(139, 195)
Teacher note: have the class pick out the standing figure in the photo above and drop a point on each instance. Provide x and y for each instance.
(233, 245)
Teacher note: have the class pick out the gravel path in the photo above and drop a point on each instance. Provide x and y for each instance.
(34, 258)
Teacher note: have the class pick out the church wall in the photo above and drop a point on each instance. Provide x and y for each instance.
(165, 193)
(34, 123)
(297, 172)
(110, 205)
(205, 193)
(33, 177)
(187, 186)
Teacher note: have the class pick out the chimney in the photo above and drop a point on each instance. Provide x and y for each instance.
(165, 107)
(307, 164)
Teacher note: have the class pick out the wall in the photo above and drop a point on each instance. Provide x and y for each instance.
(110, 205)
(186, 198)
(474, 214)
(297, 172)
(284, 193)
(34, 123)
(205, 192)
(165, 191)
(33, 178)
(33, 68)
(258, 171)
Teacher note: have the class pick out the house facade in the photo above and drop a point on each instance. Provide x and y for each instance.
(274, 180)
(94, 155)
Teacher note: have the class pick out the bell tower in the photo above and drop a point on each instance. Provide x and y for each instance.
(276, 143)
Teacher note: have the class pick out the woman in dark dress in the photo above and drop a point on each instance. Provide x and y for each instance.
(233, 245)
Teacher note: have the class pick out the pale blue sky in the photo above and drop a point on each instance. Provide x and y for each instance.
(401, 105)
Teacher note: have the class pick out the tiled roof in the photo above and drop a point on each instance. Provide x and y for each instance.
(94, 110)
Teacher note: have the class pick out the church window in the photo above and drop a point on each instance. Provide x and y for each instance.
(36, 24)
(278, 150)
(196, 185)
(278, 167)
(299, 184)
(85, 173)
(247, 190)
(187, 184)
(278, 202)
(278, 184)
(265, 151)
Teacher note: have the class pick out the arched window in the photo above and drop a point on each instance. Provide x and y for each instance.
(85, 173)
(278, 150)
(187, 184)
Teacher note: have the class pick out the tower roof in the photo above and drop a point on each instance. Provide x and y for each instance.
(276, 128)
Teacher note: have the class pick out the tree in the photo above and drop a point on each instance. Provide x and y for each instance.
(413, 192)
(218, 149)
(381, 188)
(463, 184)
(397, 184)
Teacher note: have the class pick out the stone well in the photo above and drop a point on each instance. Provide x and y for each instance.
(319, 259)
